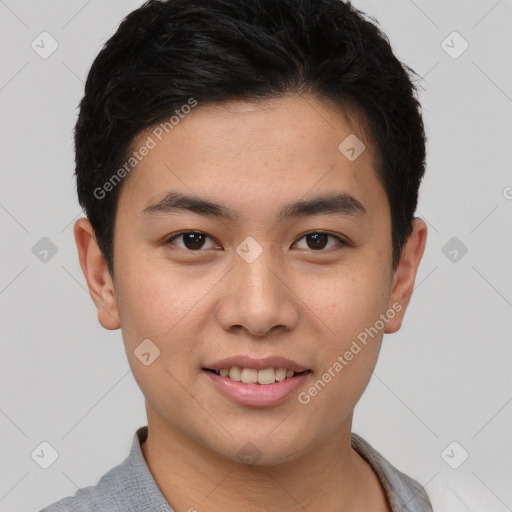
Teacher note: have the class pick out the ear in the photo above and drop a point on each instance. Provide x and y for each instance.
(99, 281)
(405, 274)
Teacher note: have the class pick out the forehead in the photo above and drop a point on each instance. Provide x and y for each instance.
(246, 154)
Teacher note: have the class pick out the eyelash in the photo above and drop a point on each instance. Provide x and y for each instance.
(341, 244)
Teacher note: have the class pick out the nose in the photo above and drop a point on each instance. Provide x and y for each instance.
(258, 297)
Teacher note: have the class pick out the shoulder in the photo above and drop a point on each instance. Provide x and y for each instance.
(101, 497)
(128, 487)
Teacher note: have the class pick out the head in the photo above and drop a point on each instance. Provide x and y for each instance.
(298, 137)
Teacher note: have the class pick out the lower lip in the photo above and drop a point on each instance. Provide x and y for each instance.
(257, 395)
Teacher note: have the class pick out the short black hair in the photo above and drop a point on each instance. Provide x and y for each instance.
(166, 53)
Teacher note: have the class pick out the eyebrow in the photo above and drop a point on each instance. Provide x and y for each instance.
(341, 204)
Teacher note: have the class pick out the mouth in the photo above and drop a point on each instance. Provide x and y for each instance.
(256, 383)
(264, 377)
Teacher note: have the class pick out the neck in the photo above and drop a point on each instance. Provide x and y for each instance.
(331, 477)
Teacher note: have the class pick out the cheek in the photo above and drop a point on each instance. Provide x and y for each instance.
(151, 300)
(349, 341)
(167, 306)
(348, 302)
(157, 306)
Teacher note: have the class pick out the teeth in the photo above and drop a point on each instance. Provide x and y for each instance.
(267, 376)
(249, 376)
(234, 374)
(252, 376)
(280, 374)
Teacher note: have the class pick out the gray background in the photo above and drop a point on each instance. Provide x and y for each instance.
(444, 377)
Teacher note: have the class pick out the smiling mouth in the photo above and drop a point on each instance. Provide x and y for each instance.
(253, 376)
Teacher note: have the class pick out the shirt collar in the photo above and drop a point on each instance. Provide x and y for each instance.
(403, 492)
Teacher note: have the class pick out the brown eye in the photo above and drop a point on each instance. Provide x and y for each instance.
(318, 241)
(191, 240)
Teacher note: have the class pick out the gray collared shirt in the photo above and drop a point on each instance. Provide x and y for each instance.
(130, 486)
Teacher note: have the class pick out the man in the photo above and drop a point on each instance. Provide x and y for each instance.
(250, 172)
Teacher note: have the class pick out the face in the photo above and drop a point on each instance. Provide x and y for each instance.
(251, 281)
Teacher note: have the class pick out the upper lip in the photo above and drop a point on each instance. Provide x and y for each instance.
(256, 364)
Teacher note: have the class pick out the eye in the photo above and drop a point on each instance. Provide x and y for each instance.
(192, 240)
(318, 240)
(195, 241)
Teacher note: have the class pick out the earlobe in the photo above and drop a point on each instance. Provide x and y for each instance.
(99, 281)
(405, 274)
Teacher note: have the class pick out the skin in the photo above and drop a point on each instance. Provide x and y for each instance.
(295, 301)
